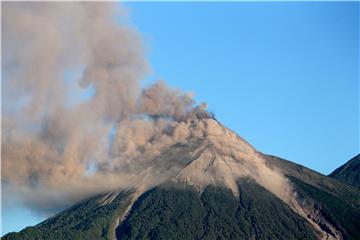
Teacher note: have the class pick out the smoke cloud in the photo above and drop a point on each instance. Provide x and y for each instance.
(51, 146)
(55, 152)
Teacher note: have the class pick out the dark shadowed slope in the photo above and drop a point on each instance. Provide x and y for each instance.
(335, 187)
(95, 218)
(213, 187)
(179, 212)
(331, 204)
(349, 172)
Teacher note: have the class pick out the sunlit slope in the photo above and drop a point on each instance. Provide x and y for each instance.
(213, 185)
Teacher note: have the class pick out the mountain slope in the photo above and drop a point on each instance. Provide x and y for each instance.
(213, 185)
(349, 172)
(94, 218)
(334, 216)
(178, 211)
(347, 193)
(181, 213)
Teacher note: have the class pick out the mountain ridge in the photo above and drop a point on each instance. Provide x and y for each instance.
(349, 172)
(215, 167)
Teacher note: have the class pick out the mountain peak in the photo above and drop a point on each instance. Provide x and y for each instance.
(212, 184)
(217, 159)
(207, 153)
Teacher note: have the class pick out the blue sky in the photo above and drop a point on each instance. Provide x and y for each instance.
(284, 76)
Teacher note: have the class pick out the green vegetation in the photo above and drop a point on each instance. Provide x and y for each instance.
(345, 217)
(347, 193)
(164, 213)
(86, 220)
(179, 212)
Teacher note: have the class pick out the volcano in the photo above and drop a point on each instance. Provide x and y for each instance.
(212, 184)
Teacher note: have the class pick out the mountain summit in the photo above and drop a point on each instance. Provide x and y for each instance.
(207, 153)
(212, 184)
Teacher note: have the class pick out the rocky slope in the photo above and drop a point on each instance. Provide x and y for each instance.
(212, 184)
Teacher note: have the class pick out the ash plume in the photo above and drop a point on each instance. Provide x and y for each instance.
(49, 146)
(55, 153)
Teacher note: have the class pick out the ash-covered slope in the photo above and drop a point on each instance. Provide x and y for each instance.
(329, 203)
(349, 172)
(211, 184)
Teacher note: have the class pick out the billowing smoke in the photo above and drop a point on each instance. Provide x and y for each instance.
(52, 147)
(57, 148)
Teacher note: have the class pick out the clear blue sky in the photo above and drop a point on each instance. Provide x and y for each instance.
(284, 76)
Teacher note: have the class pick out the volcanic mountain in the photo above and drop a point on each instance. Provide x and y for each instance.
(212, 184)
